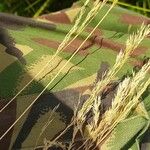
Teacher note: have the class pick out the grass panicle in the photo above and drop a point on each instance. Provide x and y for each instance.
(132, 42)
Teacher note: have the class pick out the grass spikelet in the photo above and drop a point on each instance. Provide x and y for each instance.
(96, 111)
(135, 39)
(49, 121)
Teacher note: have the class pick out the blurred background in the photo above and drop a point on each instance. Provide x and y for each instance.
(34, 8)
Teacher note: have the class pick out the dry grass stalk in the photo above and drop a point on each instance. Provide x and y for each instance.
(49, 121)
(48, 144)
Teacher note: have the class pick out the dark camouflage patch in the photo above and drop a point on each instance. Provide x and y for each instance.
(6, 118)
(9, 43)
(14, 22)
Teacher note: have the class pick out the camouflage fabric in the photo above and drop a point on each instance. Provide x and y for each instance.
(26, 45)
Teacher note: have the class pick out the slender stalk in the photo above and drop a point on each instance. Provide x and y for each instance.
(132, 6)
(43, 7)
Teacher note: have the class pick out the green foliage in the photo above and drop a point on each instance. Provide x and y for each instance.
(140, 6)
(32, 7)
(36, 7)
(2, 7)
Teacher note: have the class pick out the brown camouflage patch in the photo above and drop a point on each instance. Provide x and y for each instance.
(59, 17)
(134, 20)
(97, 32)
(138, 64)
(106, 43)
(70, 48)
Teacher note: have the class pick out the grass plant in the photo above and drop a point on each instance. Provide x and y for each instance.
(127, 96)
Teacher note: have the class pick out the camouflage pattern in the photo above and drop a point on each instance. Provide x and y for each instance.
(26, 45)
